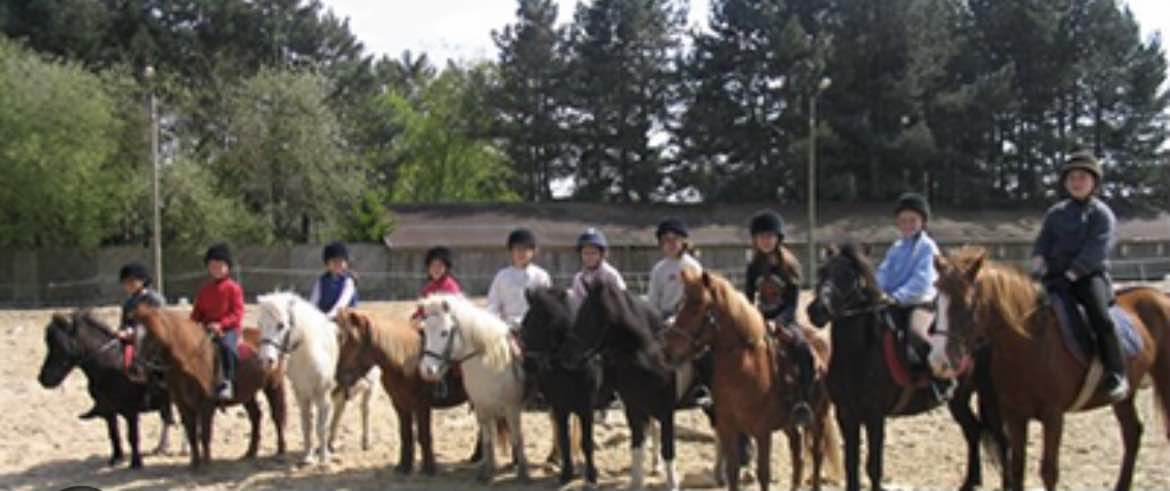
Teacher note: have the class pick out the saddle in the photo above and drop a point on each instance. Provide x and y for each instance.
(1080, 339)
(906, 356)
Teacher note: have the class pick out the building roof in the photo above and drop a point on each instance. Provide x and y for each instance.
(558, 224)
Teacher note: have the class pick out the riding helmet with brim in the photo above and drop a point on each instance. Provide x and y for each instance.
(522, 237)
(765, 221)
(335, 250)
(592, 237)
(914, 202)
(672, 226)
(218, 252)
(1083, 160)
(136, 271)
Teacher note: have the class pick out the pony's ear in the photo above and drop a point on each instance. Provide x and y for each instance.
(867, 249)
(829, 251)
(446, 306)
(528, 295)
(940, 263)
(976, 265)
(60, 319)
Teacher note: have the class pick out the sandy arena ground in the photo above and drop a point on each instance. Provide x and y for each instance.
(45, 447)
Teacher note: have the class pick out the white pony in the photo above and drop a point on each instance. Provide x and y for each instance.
(293, 327)
(456, 331)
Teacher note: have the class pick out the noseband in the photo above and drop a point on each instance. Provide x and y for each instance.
(698, 347)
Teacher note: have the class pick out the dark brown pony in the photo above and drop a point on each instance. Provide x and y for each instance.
(395, 345)
(748, 394)
(1034, 375)
(190, 378)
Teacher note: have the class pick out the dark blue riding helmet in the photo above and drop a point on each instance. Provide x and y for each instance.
(592, 237)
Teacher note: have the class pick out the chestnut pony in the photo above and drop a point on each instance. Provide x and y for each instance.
(984, 303)
(749, 397)
(190, 377)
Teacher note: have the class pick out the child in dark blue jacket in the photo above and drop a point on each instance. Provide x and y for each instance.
(1071, 257)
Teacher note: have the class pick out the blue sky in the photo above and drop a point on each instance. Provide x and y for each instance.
(460, 29)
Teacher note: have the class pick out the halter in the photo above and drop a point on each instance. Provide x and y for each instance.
(445, 358)
(284, 345)
(698, 347)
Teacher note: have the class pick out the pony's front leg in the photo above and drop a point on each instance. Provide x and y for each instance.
(666, 446)
(875, 438)
(1017, 433)
(851, 435)
(306, 406)
(339, 403)
(518, 457)
(561, 425)
(115, 440)
(727, 438)
(796, 448)
(164, 444)
(132, 435)
(1050, 460)
(764, 460)
(586, 418)
(487, 437)
(324, 412)
(367, 397)
(190, 422)
(637, 424)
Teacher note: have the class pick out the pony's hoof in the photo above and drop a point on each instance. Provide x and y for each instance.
(483, 478)
(565, 477)
(430, 469)
(115, 461)
(403, 469)
(135, 463)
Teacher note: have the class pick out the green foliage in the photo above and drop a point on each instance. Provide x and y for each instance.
(442, 153)
(195, 212)
(59, 130)
(284, 157)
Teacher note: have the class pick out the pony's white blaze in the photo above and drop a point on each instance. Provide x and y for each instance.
(826, 296)
(295, 328)
(939, 362)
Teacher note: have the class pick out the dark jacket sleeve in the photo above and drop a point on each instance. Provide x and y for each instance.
(791, 300)
(749, 283)
(1099, 240)
(1043, 245)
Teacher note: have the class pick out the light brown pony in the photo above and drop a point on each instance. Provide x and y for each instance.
(191, 374)
(395, 345)
(1034, 375)
(749, 399)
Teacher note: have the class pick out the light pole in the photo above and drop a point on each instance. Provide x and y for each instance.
(156, 221)
(821, 86)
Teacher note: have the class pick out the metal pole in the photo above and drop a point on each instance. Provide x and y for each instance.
(156, 235)
(812, 187)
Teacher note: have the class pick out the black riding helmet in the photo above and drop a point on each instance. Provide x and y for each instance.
(672, 225)
(522, 237)
(335, 250)
(914, 202)
(219, 252)
(441, 254)
(767, 221)
(135, 271)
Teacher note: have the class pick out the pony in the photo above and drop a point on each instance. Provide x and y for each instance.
(294, 328)
(860, 383)
(190, 376)
(82, 340)
(567, 387)
(621, 329)
(363, 388)
(457, 331)
(749, 396)
(983, 303)
(394, 346)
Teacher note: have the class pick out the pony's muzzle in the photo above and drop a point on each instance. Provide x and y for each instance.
(430, 371)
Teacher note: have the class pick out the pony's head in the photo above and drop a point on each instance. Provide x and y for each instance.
(455, 330)
(846, 285)
(68, 347)
(64, 350)
(546, 325)
(276, 326)
(612, 319)
(355, 331)
(693, 330)
(711, 307)
(958, 305)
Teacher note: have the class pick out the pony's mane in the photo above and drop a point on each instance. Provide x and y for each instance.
(479, 327)
(553, 301)
(747, 318)
(1003, 289)
(272, 304)
(396, 337)
(88, 317)
(854, 253)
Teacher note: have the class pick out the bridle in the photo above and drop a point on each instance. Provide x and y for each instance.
(856, 301)
(284, 344)
(446, 357)
(700, 341)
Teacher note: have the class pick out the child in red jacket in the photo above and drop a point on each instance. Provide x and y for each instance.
(438, 262)
(219, 307)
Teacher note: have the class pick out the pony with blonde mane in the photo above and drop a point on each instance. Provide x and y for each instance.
(985, 303)
(456, 331)
(746, 389)
(294, 328)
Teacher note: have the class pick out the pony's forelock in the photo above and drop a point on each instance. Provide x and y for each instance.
(478, 326)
